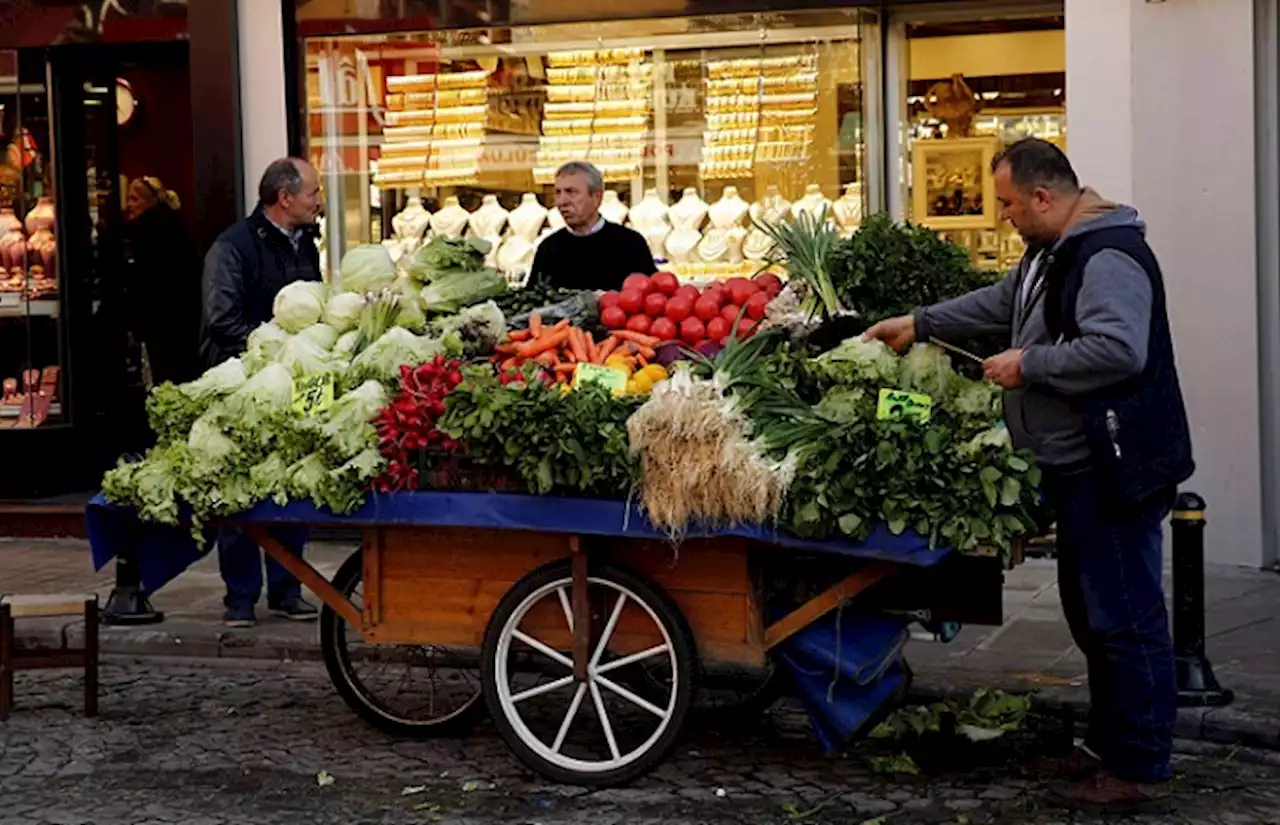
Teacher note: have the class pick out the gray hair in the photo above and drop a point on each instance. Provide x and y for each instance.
(595, 181)
(285, 174)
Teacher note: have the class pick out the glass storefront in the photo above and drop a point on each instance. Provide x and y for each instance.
(696, 122)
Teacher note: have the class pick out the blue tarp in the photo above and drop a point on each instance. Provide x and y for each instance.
(163, 552)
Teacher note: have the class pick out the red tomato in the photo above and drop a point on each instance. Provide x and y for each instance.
(688, 291)
(730, 313)
(746, 329)
(692, 331)
(632, 301)
(706, 307)
(718, 292)
(718, 330)
(664, 328)
(756, 305)
(655, 303)
(740, 289)
(639, 282)
(613, 317)
(679, 307)
(612, 298)
(770, 283)
(639, 323)
(666, 283)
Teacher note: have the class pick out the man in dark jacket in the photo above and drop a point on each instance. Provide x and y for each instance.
(1093, 390)
(245, 268)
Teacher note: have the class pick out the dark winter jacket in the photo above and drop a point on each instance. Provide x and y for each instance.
(162, 288)
(245, 268)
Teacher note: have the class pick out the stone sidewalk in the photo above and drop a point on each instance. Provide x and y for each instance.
(1031, 650)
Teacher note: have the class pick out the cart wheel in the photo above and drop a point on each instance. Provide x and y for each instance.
(402, 689)
(598, 732)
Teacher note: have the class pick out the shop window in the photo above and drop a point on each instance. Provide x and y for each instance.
(461, 131)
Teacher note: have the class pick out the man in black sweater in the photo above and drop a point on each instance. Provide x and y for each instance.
(590, 252)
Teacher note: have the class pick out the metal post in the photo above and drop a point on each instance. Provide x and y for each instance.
(127, 604)
(1197, 686)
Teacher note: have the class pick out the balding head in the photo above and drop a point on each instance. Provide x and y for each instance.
(290, 192)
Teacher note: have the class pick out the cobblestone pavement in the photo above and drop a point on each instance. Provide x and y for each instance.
(244, 742)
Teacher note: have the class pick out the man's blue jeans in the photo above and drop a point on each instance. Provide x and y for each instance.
(1112, 589)
(240, 560)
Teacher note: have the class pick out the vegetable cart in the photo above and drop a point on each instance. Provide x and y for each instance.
(581, 629)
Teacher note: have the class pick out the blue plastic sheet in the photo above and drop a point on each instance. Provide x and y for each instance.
(847, 669)
(163, 552)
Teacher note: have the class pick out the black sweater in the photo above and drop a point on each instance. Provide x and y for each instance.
(599, 261)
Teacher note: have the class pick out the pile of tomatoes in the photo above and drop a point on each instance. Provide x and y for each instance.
(659, 306)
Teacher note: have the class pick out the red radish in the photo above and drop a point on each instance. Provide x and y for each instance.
(706, 307)
(612, 298)
(692, 331)
(632, 301)
(740, 289)
(718, 330)
(639, 282)
(730, 313)
(770, 283)
(655, 303)
(688, 290)
(664, 329)
(666, 283)
(639, 323)
(679, 307)
(756, 305)
(746, 329)
(613, 317)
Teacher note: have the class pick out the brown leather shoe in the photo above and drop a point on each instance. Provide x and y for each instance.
(1104, 792)
(1076, 765)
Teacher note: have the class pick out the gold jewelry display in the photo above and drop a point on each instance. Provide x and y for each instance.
(435, 127)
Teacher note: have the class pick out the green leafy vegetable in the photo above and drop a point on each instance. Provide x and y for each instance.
(367, 268)
(299, 305)
(451, 291)
(443, 255)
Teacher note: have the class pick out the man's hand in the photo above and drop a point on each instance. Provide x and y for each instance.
(1005, 369)
(899, 333)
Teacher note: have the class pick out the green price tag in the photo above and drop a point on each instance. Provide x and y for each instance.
(614, 380)
(896, 405)
(313, 395)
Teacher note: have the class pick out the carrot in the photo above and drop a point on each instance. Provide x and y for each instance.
(592, 349)
(562, 325)
(577, 344)
(604, 350)
(510, 364)
(535, 325)
(644, 362)
(548, 358)
(505, 349)
(543, 344)
(570, 357)
(636, 337)
(565, 369)
(646, 352)
(519, 335)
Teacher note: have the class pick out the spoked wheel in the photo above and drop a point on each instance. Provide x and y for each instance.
(626, 716)
(402, 689)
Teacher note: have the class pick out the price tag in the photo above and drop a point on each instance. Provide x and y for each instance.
(896, 405)
(313, 395)
(614, 380)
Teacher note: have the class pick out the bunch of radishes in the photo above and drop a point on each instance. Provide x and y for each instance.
(659, 306)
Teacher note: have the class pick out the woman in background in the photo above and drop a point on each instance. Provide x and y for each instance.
(162, 281)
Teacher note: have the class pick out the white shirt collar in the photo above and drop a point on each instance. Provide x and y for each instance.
(593, 230)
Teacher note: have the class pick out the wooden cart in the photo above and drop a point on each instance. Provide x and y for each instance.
(585, 649)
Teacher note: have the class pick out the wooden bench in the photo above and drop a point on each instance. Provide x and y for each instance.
(48, 606)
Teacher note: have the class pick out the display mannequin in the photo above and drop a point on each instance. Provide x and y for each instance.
(686, 219)
(772, 208)
(450, 221)
(412, 221)
(729, 210)
(515, 256)
(848, 209)
(527, 219)
(649, 218)
(612, 208)
(813, 202)
(489, 220)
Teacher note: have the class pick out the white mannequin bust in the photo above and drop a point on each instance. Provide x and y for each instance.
(688, 213)
(714, 245)
(527, 219)
(649, 218)
(772, 208)
(848, 209)
(451, 220)
(489, 220)
(612, 208)
(735, 237)
(729, 210)
(813, 202)
(515, 256)
(412, 221)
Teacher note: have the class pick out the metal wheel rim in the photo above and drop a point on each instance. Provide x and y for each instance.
(370, 698)
(590, 690)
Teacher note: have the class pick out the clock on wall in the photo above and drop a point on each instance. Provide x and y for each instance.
(126, 102)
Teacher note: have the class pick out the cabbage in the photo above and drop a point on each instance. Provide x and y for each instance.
(455, 290)
(442, 255)
(302, 357)
(343, 311)
(223, 379)
(345, 347)
(322, 335)
(299, 305)
(267, 339)
(367, 268)
(926, 369)
(172, 409)
(207, 442)
(269, 391)
(382, 359)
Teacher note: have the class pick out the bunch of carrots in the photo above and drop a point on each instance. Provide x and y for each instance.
(561, 347)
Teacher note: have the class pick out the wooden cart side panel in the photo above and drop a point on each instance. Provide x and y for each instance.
(440, 586)
(372, 577)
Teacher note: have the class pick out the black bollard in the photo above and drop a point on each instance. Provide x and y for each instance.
(1197, 686)
(128, 604)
